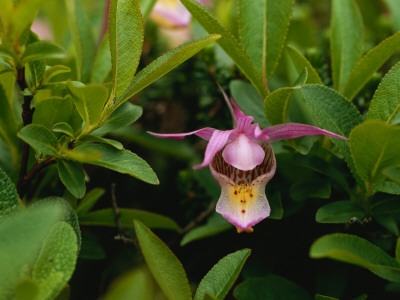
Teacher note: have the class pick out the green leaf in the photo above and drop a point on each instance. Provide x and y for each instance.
(398, 250)
(227, 42)
(346, 40)
(374, 146)
(369, 64)
(164, 64)
(215, 225)
(394, 8)
(54, 71)
(246, 96)
(102, 65)
(275, 203)
(163, 264)
(82, 38)
(271, 287)
(393, 173)
(106, 217)
(300, 62)
(387, 187)
(303, 190)
(126, 41)
(58, 256)
(122, 161)
(40, 138)
(96, 139)
(123, 116)
(26, 289)
(8, 195)
(63, 127)
(42, 50)
(146, 6)
(89, 200)
(91, 248)
(223, 275)
(340, 212)
(385, 104)
(336, 114)
(83, 155)
(137, 284)
(322, 297)
(355, 250)
(89, 101)
(72, 176)
(263, 27)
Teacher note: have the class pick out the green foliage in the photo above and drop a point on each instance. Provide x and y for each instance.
(42, 50)
(340, 212)
(163, 264)
(72, 176)
(8, 195)
(89, 200)
(40, 138)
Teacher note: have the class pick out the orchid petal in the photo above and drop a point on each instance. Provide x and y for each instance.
(243, 153)
(243, 201)
(295, 130)
(238, 112)
(217, 142)
(170, 13)
(204, 133)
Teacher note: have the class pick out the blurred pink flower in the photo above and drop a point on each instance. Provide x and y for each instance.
(41, 29)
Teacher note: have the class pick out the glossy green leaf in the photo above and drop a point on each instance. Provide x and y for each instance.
(340, 212)
(81, 155)
(54, 71)
(102, 65)
(40, 138)
(387, 187)
(166, 63)
(227, 42)
(72, 176)
(126, 40)
(8, 195)
(246, 96)
(89, 101)
(137, 284)
(263, 27)
(89, 200)
(374, 146)
(394, 7)
(106, 217)
(58, 256)
(122, 161)
(223, 275)
(63, 127)
(355, 250)
(215, 225)
(82, 38)
(369, 64)
(346, 40)
(89, 138)
(163, 264)
(146, 6)
(336, 114)
(393, 173)
(270, 287)
(385, 104)
(300, 62)
(42, 50)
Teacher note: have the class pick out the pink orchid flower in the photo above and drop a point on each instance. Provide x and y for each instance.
(242, 162)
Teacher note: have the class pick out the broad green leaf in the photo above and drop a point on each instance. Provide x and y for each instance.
(263, 26)
(40, 138)
(164, 64)
(393, 173)
(389, 222)
(146, 6)
(6, 53)
(398, 250)
(336, 114)
(275, 203)
(82, 38)
(72, 176)
(322, 297)
(8, 195)
(89, 200)
(163, 264)
(126, 34)
(369, 64)
(20, 241)
(271, 287)
(54, 110)
(223, 275)
(355, 250)
(137, 284)
(246, 96)
(27, 289)
(387, 187)
(83, 155)
(34, 72)
(346, 40)
(96, 139)
(340, 212)
(207, 296)
(89, 101)
(394, 7)
(54, 71)
(102, 66)
(123, 116)
(106, 217)
(215, 225)
(385, 208)
(122, 161)
(42, 50)
(63, 127)
(303, 190)
(385, 104)
(300, 62)
(58, 255)
(227, 42)
(374, 147)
